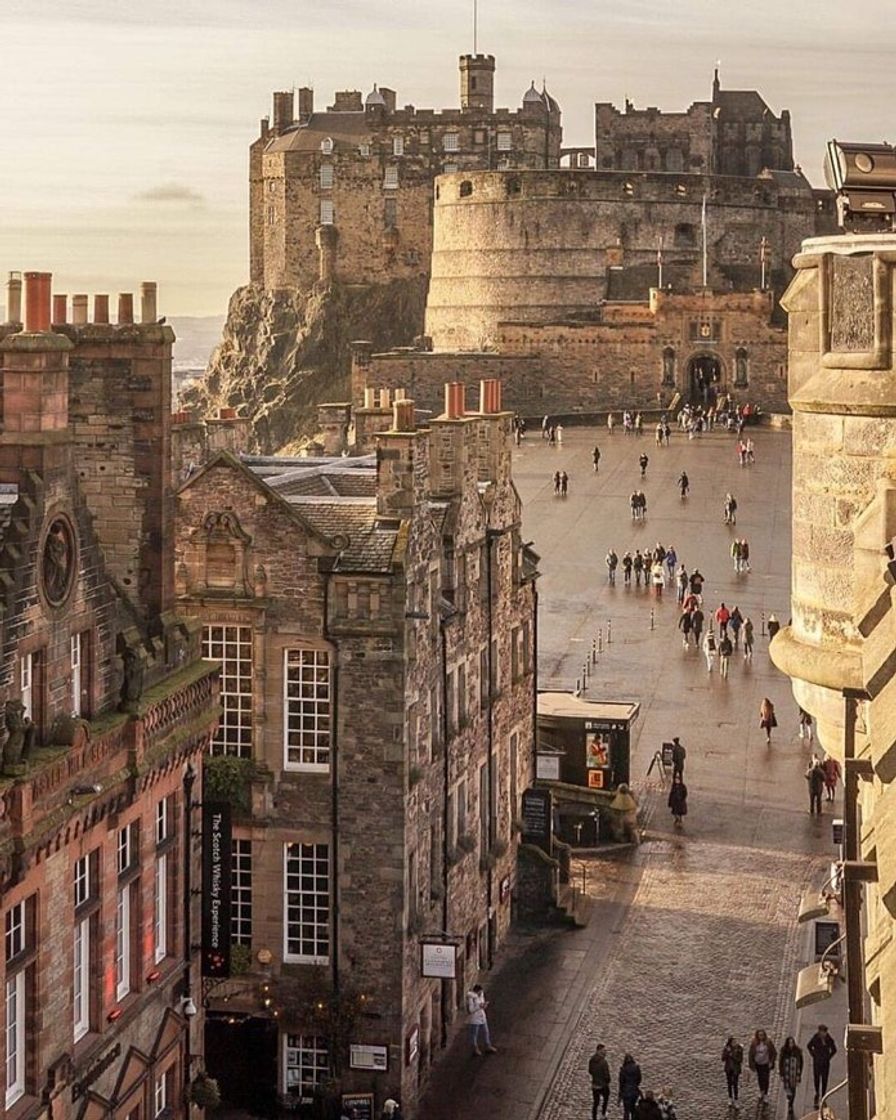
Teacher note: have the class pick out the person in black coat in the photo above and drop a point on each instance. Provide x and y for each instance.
(678, 798)
(629, 1086)
(822, 1048)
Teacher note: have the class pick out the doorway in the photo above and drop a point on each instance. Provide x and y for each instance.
(241, 1054)
(704, 376)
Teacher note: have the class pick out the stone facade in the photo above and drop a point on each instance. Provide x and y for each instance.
(346, 194)
(399, 587)
(842, 388)
(94, 962)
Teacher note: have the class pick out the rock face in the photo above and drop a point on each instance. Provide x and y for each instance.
(284, 351)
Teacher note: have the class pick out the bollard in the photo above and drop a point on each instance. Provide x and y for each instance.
(593, 651)
(609, 632)
(578, 689)
(586, 670)
(652, 619)
(762, 625)
(600, 640)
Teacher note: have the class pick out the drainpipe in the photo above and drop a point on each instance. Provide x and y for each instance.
(491, 535)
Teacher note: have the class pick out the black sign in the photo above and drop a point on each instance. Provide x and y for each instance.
(537, 824)
(216, 845)
(667, 756)
(358, 1105)
(96, 1071)
(826, 933)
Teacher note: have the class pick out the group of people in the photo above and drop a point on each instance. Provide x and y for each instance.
(732, 626)
(561, 484)
(551, 430)
(822, 776)
(637, 1104)
(746, 451)
(632, 423)
(763, 1058)
(740, 554)
(650, 565)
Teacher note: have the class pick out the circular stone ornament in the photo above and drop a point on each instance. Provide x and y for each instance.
(58, 558)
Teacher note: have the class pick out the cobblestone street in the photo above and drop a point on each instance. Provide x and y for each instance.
(694, 935)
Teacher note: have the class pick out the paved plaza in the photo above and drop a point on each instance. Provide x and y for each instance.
(693, 935)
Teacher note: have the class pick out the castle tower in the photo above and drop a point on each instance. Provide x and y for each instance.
(477, 82)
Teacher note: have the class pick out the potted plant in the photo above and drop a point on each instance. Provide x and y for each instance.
(204, 1091)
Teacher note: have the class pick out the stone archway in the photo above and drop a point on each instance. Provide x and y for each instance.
(704, 378)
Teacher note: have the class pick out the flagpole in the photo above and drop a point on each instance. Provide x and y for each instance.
(703, 225)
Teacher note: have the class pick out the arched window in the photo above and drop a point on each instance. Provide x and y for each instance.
(740, 368)
(326, 146)
(668, 366)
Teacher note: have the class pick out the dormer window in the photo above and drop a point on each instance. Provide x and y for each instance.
(326, 146)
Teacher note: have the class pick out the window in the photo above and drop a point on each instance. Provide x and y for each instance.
(390, 213)
(515, 659)
(163, 813)
(364, 150)
(26, 683)
(326, 212)
(514, 780)
(452, 820)
(483, 808)
(413, 887)
(76, 673)
(126, 847)
(461, 809)
(83, 889)
(461, 695)
(397, 145)
(505, 142)
(483, 677)
(232, 646)
(241, 892)
(18, 939)
(306, 709)
(496, 669)
(448, 169)
(326, 146)
(390, 178)
(326, 176)
(449, 703)
(306, 1063)
(450, 142)
(465, 189)
(123, 942)
(16, 929)
(307, 919)
(160, 908)
(160, 1096)
(272, 216)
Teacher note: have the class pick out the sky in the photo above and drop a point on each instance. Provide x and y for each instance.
(126, 123)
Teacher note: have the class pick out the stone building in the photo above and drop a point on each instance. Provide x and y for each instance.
(838, 648)
(106, 704)
(376, 621)
(346, 194)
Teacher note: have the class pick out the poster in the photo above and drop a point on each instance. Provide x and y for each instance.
(216, 853)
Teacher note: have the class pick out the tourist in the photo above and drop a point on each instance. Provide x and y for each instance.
(658, 579)
(638, 565)
(478, 1021)
(815, 777)
(545, 424)
(725, 651)
(684, 484)
(635, 505)
(735, 555)
(744, 555)
(767, 719)
(627, 568)
(629, 1086)
(735, 622)
(595, 458)
(773, 625)
(748, 639)
(681, 580)
(667, 1107)
(639, 425)
(831, 769)
(697, 624)
(564, 484)
(730, 509)
(647, 1107)
(679, 754)
(599, 1072)
(709, 649)
(762, 1057)
(642, 504)
(556, 482)
(822, 1048)
(732, 1062)
(391, 1110)
(643, 461)
(659, 435)
(670, 561)
(612, 561)
(751, 451)
(610, 423)
(805, 725)
(678, 799)
(558, 432)
(723, 616)
(552, 434)
(685, 625)
(697, 581)
(790, 1067)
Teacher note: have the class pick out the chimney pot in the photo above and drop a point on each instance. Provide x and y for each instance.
(37, 301)
(403, 416)
(14, 298)
(60, 308)
(79, 310)
(125, 308)
(369, 396)
(149, 302)
(101, 309)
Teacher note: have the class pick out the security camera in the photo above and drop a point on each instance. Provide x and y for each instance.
(864, 179)
(188, 1007)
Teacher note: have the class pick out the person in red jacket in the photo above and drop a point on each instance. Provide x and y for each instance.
(723, 616)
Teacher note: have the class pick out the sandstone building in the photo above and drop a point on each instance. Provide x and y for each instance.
(106, 704)
(375, 617)
(839, 647)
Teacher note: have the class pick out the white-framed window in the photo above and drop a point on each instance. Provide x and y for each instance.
(272, 216)
(123, 942)
(306, 1062)
(241, 892)
(326, 176)
(364, 150)
(326, 146)
(327, 214)
(390, 178)
(15, 1037)
(232, 646)
(307, 715)
(82, 881)
(307, 915)
(451, 142)
(397, 145)
(126, 847)
(16, 930)
(504, 142)
(76, 654)
(160, 909)
(163, 820)
(159, 1096)
(81, 979)
(26, 683)
(449, 169)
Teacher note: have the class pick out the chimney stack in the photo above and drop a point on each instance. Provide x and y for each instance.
(149, 307)
(490, 395)
(79, 310)
(125, 308)
(403, 416)
(37, 301)
(60, 308)
(14, 298)
(306, 104)
(283, 110)
(101, 309)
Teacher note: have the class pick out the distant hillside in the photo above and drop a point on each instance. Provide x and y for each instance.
(197, 336)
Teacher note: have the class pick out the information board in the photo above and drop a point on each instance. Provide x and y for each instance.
(358, 1105)
(438, 960)
(537, 824)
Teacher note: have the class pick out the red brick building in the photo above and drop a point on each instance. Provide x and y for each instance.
(105, 706)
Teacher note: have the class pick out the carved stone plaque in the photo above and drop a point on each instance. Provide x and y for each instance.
(852, 304)
(58, 561)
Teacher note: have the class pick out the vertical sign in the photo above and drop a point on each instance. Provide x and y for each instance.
(216, 850)
(537, 814)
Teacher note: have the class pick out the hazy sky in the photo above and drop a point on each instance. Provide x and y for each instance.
(126, 122)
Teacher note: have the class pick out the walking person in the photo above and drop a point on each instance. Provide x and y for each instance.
(638, 565)
(679, 754)
(831, 769)
(599, 1072)
(730, 509)
(612, 562)
(735, 622)
(697, 580)
(725, 651)
(735, 555)
(815, 778)
(697, 624)
(670, 562)
(681, 580)
(761, 1058)
(658, 579)
(744, 554)
(629, 1086)
(767, 718)
(558, 432)
(748, 639)
(822, 1048)
(635, 505)
(805, 725)
(556, 483)
(564, 484)
(642, 505)
(723, 616)
(610, 423)
(732, 1063)
(627, 568)
(684, 485)
(709, 649)
(643, 461)
(790, 1067)
(545, 424)
(478, 1021)
(685, 625)
(647, 1107)
(595, 458)
(678, 799)
(773, 625)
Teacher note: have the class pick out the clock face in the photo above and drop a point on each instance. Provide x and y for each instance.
(58, 561)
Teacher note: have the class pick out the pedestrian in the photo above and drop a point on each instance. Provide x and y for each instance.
(831, 769)
(612, 562)
(647, 1107)
(545, 424)
(670, 562)
(642, 504)
(790, 1067)
(478, 1021)
(822, 1048)
(697, 581)
(556, 482)
(730, 509)
(667, 433)
(723, 616)
(599, 1072)
(748, 639)
(391, 1110)
(678, 799)
(564, 484)
(751, 451)
(659, 435)
(685, 625)
(639, 425)
(767, 718)
(725, 651)
(735, 622)
(610, 423)
(735, 554)
(773, 625)
(643, 461)
(744, 554)
(697, 624)
(627, 568)
(635, 505)
(629, 1086)
(681, 580)
(684, 484)
(815, 778)
(709, 649)
(595, 458)
(658, 579)
(732, 1063)
(558, 432)
(679, 754)
(805, 725)
(761, 1058)
(667, 1106)
(638, 565)
(552, 434)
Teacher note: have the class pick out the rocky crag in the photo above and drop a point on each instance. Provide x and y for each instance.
(285, 351)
